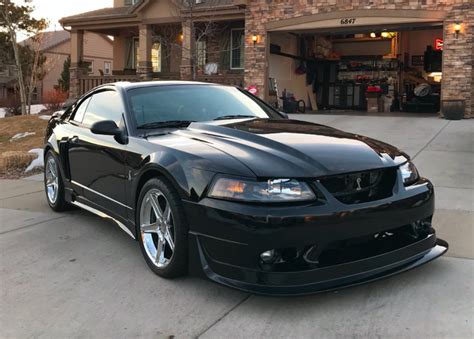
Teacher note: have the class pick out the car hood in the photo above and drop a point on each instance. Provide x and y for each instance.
(283, 148)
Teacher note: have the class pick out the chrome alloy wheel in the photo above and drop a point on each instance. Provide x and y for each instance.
(157, 228)
(52, 179)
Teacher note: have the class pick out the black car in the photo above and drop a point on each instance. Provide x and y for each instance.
(214, 182)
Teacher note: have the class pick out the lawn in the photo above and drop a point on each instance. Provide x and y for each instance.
(14, 148)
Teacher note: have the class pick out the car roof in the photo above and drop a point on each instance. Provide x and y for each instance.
(129, 85)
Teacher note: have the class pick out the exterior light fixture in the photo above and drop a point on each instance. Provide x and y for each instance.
(385, 35)
(457, 29)
(373, 35)
(254, 39)
(181, 37)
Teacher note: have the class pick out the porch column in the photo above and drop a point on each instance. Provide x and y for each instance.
(186, 68)
(458, 58)
(145, 69)
(119, 53)
(256, 55)
(77, 53)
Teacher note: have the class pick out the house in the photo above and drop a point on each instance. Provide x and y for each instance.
(325, 52)
(56, 47)
(7, 80)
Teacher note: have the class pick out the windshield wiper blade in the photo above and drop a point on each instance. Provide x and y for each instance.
(164, 124)
(235, 116)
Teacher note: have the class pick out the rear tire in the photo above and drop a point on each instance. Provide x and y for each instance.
(53, 183)
(162, 230)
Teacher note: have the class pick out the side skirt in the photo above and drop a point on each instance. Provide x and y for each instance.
(102, 215)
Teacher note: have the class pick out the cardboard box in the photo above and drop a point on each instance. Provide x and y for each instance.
(372, 105)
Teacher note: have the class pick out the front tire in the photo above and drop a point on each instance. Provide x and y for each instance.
(53, 183)
(162, 229)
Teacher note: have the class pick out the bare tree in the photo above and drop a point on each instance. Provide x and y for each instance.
(17, 18)
(201, 18)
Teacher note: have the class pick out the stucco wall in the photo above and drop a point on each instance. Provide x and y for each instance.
(96, 49)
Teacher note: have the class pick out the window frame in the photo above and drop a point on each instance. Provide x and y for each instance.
(88, 96)
(92, 66)
(109, 68)
(232, 48)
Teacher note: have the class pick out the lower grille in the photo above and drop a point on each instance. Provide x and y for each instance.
(355, 188)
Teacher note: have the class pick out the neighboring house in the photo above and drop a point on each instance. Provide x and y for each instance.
(257, 42)
(7, 81)
(56, 47)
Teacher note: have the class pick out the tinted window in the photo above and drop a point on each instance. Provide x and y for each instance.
(192, 103)
(104, 106)
(79, 115)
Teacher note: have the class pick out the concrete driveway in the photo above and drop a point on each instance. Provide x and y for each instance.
(76, 275)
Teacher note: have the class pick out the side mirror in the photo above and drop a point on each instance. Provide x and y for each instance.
(109, 127)
(284, 115)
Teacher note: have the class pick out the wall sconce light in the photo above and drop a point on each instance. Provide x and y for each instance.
(457, 29)
(254, 39)
(181, 37)
(373, 35)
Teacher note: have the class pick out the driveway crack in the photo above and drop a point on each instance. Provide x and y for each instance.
(224, 315)
(431, 140)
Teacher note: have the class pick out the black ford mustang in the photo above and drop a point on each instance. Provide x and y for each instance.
(212, 181)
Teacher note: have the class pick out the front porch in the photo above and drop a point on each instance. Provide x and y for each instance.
(149, 47)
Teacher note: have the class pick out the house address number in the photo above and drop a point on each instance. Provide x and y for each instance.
(348, 21)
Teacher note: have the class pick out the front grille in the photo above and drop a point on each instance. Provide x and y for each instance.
(355, 188)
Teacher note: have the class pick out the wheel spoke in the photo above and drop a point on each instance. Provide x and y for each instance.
(149, 228)
(156, 207)
(167, 214)
(160, 251)
(169, 238)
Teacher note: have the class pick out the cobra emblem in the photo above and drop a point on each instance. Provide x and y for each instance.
(358, 181)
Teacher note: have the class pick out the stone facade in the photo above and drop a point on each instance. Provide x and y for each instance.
(458, 52)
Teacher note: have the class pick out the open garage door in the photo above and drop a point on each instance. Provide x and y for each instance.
(369, 62)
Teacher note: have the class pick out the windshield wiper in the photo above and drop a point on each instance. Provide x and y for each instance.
(165, 124)
(225, 117)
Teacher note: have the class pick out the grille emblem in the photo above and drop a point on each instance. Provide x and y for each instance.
(358, 181)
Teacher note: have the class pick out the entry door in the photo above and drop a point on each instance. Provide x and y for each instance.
(97, 161)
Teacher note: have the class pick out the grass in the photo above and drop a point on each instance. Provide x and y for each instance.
(14, 157)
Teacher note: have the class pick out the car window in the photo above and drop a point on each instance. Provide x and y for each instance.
(103, 106)
(79, 115)
(192, 103)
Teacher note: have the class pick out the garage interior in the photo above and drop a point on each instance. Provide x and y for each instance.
(363, 70)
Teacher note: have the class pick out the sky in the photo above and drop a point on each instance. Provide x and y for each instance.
(53, 10)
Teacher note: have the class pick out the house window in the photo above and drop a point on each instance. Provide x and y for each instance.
(107, 67)
(201, 48)
(89, 65)
(130, 2)
(237, 44)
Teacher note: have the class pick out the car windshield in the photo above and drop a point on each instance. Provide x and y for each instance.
(159, 105)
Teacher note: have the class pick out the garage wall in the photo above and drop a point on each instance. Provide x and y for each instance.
(380, 47)
(283, 68)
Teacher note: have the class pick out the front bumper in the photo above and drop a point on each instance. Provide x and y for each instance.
(226, 239)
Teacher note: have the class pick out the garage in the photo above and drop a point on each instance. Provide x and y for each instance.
(368, 63)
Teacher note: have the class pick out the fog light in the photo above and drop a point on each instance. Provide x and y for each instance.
(268, 256)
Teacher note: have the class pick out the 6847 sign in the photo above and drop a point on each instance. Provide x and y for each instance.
(348, 21)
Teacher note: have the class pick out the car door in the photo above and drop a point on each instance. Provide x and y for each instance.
(96, 162)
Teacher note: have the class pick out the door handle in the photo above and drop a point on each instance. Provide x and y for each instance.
(74, 139)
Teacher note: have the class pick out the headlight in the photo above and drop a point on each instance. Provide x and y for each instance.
(409, 173)
(276, 190)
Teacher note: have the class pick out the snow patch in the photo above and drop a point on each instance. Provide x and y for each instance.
(38, 162)
(35, 109)
(45, 117)
(21, 135)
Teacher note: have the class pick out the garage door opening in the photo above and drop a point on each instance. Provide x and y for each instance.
(369, 70)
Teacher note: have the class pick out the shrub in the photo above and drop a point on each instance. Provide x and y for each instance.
(15, 160)
(12, 104)
(54, 99)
